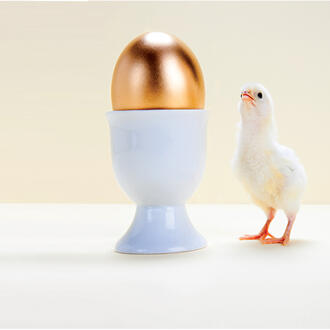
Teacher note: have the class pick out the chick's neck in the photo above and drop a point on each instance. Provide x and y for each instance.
(259, 132)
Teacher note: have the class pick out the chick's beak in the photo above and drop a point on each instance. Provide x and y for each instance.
(247, 96)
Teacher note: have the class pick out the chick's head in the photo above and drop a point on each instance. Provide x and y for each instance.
(255, 103)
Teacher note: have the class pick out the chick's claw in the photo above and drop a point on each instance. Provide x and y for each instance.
(251, 237)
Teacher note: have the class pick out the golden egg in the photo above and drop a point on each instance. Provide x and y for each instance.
(157, 71)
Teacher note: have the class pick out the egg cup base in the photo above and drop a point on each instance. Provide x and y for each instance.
(160, 229)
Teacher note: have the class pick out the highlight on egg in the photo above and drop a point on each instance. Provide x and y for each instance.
(157, 71)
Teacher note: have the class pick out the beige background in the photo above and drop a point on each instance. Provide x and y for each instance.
(56, 61)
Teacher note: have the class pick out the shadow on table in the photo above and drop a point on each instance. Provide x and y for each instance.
(108, 257)
(296, 246)
(105, 257)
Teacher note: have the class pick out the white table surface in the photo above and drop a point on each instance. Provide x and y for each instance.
(58, 269)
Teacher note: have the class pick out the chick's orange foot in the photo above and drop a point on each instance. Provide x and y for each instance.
(264, 240)
(264, 230)
(274, 240)
(255, 237)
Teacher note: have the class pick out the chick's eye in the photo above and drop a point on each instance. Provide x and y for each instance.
(260, 95)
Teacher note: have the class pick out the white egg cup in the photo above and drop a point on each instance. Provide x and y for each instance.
(158, 157)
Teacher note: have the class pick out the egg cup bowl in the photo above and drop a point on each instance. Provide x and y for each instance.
(158, 157)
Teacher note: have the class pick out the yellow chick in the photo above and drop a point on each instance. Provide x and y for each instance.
(270, 172)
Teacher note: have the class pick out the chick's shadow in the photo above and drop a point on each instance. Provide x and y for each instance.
(256, 248)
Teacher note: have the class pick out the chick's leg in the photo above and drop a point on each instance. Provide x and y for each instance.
(286, 236)
(264, 231)
(288, 229)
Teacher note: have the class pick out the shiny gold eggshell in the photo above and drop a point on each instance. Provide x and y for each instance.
(157, 71)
